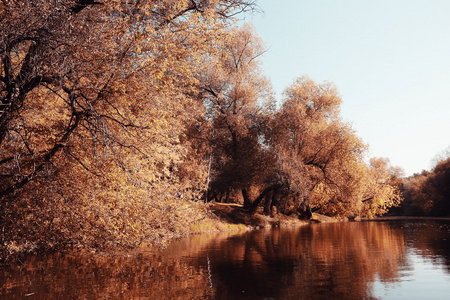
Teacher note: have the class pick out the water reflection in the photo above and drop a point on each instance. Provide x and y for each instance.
(320, 261)
(323, 261)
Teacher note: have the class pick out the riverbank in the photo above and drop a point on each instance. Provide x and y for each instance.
(235, 214)
(407, 218)
(195, 218)
(232, 213)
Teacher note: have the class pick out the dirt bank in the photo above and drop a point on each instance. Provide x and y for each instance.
(236, 214)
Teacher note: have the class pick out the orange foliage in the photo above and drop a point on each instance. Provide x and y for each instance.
(321, 159)
(94, 100)
(114, 114)
(428, 193)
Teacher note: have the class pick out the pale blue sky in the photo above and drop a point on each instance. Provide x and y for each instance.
(390, 60)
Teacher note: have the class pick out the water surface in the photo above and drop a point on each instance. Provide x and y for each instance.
(369, 260)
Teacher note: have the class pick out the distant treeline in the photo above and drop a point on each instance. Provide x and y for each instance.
(427, 193)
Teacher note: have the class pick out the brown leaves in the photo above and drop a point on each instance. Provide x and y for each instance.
(94, 100)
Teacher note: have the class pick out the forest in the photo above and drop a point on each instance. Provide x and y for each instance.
(427, 193)
(120, 119)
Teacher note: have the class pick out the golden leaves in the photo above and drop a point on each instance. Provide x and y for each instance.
(328, 155)
(100, 135)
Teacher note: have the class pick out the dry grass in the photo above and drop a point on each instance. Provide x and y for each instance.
(236, 214)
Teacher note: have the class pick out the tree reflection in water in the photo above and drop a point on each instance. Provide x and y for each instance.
(329, 261)
(323, 261)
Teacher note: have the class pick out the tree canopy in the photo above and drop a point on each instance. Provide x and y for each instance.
(428, 193)
(115, 115)
(95, 96)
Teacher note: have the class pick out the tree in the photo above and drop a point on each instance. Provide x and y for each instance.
(320, 159)
(318, 155)
(234, 93)
(89, 90)
(428, 193)
(381, 187)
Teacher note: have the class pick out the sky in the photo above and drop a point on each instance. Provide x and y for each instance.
(389, 59)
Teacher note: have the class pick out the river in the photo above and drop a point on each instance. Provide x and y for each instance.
(348, 260)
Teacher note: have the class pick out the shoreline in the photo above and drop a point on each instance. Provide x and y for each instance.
(231, 218)
(406, 218)
(235, 214)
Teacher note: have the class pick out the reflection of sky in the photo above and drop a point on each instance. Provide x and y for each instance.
(424, 278)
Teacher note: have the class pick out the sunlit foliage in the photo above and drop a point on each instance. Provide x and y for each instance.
(300, 158)
(320, 158)
(381, 187)
(94, 99)
(234, 93)
(115, 115)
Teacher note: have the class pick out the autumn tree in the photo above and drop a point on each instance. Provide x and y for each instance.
(320, 159)
(316, 152)
(93, 98)
(301, 157)
(428, 193)
(380, 187)
(234, 93)
(440, 183)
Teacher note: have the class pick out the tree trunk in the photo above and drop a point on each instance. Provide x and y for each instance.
(255, 204)
(247, 201)
(268, 204)
(274, 204)
(305, 211)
